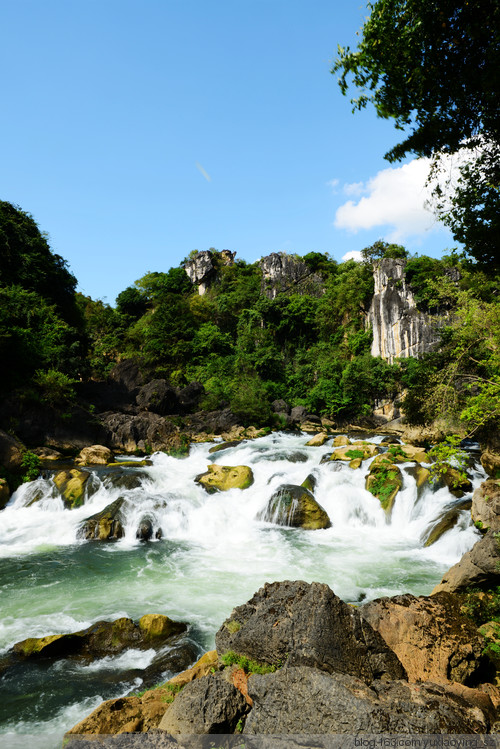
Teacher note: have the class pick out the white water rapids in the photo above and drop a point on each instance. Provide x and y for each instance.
(213, 555)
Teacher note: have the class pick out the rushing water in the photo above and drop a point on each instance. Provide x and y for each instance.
(213, 555)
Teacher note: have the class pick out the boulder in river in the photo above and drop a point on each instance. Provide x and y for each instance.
(223, 478)
(478, 568)
(361, 450)
(105, 525)
(295, 507)
(384, 481)
(447, 520)
(71, 485)
(95, 455)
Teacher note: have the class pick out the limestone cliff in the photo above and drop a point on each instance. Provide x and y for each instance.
(202, 268)
(282, 273)
(399, 329)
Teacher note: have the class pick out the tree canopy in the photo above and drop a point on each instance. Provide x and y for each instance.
(433, 67)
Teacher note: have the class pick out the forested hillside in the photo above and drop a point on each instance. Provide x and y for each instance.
(247, 344)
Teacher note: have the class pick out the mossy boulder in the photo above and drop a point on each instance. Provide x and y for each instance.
(102, 639)
(153, 626)
(361, 450)
(309, 482)
(355, 463)
(295, 507)
(223, 478)
(341, 440)
(384, 481)
(457, 481)
(406, 453)
(95, 455)
(71, 485)
(419, 473)
(318, 440)
(105, 525)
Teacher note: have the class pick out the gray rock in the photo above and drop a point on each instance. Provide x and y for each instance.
(307, 624)
(158, 396)
(303, 700)
(207, 705)
(299, 413)
(399, 329)
(280, 406)
(478, 568)
(486, 505)
(201, 270)
(285, 274)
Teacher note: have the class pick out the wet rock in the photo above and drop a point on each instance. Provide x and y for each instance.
(405, 453)
(486, 505)
(71, 485)
(445, 522)
(318, 440)
(295, 507)
(145, 530)
(478, 568)
(363, 450)
(207, 705)
(307, 624)
(419, 473)
(96, 455)
(105, 525)
(303, 700)
(158, 396)
(309, 482)
(384, 481)
(341, 440)
(102, 639)
(430, 636)
(456, 482)
(223, 478)
(132, 479)
(225, 446)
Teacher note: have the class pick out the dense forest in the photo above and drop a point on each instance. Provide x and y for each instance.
(245, 348)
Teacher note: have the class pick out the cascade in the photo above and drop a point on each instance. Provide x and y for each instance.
(207, 554)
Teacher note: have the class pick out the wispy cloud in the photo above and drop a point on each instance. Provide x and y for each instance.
(203, 172)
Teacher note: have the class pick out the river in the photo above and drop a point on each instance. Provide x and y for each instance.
(213, 555)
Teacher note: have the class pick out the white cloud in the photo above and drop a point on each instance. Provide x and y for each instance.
(333, 183)
(353, 255)
(394, 198)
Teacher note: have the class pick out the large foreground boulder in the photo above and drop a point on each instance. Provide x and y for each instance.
(307, 624)
(303, 700)
(486, 505)
(295, 507)
(105, 525)
(71, 485)
(431, 638)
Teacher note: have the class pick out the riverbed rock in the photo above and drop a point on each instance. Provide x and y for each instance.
(478, 568)
(363, 450)
(490, 460)
(341, 440)
(105, 525)
(457, 482)
(303, 700)
(419, 473)
(225, 446)
(318, 440)
(301, 623)
(295, 507)
(486, 505)
(384, 481)
(71, 485)
(145, 431)
(103, 639)
(430, 636)
(447, 520)
(207, 705)
(95, 455)
(223, 478)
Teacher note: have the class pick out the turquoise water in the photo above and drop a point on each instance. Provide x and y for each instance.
(214, 554)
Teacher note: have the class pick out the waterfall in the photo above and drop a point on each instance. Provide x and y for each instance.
(207, 554)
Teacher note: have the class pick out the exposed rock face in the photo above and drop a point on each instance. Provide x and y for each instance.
(283, 273)
(303, 700)
(295, 507)
(399, 329)
(145, 430)
(307, 624)
(201, 270)
(486, 505)
(431, 638)
(478, 568)
(158, 396)
(207, 705)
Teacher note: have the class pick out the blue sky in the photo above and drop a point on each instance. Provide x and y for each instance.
(135, 132)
